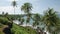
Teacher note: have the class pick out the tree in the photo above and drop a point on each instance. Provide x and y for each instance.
(6, 15)
(51, 20)
(27, 7)
(14, 4)
(4, 20)
(21, 20)
(36, 19)
(2, 13)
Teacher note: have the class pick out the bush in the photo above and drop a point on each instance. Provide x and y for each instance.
(4, 20)
(22, 30)
(1, 25)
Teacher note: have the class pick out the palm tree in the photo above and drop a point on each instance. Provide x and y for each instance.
(51, 20)
(36, 19)
(14, 4)
(27, 7)
(37, 22)
(21, 20)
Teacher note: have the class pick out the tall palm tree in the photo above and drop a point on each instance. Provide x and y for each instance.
(14, 4)
(27, 7)
(51, 20)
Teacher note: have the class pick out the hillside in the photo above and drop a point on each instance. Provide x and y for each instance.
(22, 30)
(16, 29)
(6, 27)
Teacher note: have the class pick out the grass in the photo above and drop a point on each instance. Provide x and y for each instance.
(22, 30)
(16, 29)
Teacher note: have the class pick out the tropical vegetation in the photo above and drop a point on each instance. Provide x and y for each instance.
(50, 20)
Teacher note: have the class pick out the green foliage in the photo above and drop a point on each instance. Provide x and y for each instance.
(27, 7)
(22, 30)
(1, 25)
(4, 20)
(36, 19)
(14, 3)
(21, 20)
(16, 29)
(51, 20)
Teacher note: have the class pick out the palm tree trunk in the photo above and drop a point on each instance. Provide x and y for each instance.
(14, 10)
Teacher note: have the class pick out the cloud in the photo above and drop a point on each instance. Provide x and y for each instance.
(12, 0)
(9, 9)
(6, 9)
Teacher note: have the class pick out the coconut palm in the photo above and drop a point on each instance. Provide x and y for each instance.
(36, 19)
(51, 20)
(21, 20)
(28, 18)
(14, 4)
(27, 7)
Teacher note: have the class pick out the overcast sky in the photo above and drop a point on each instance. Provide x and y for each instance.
(39, 6)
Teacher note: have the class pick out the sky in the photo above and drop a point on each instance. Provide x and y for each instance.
(39, 6)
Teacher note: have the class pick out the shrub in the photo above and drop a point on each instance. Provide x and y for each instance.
(4, 20)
